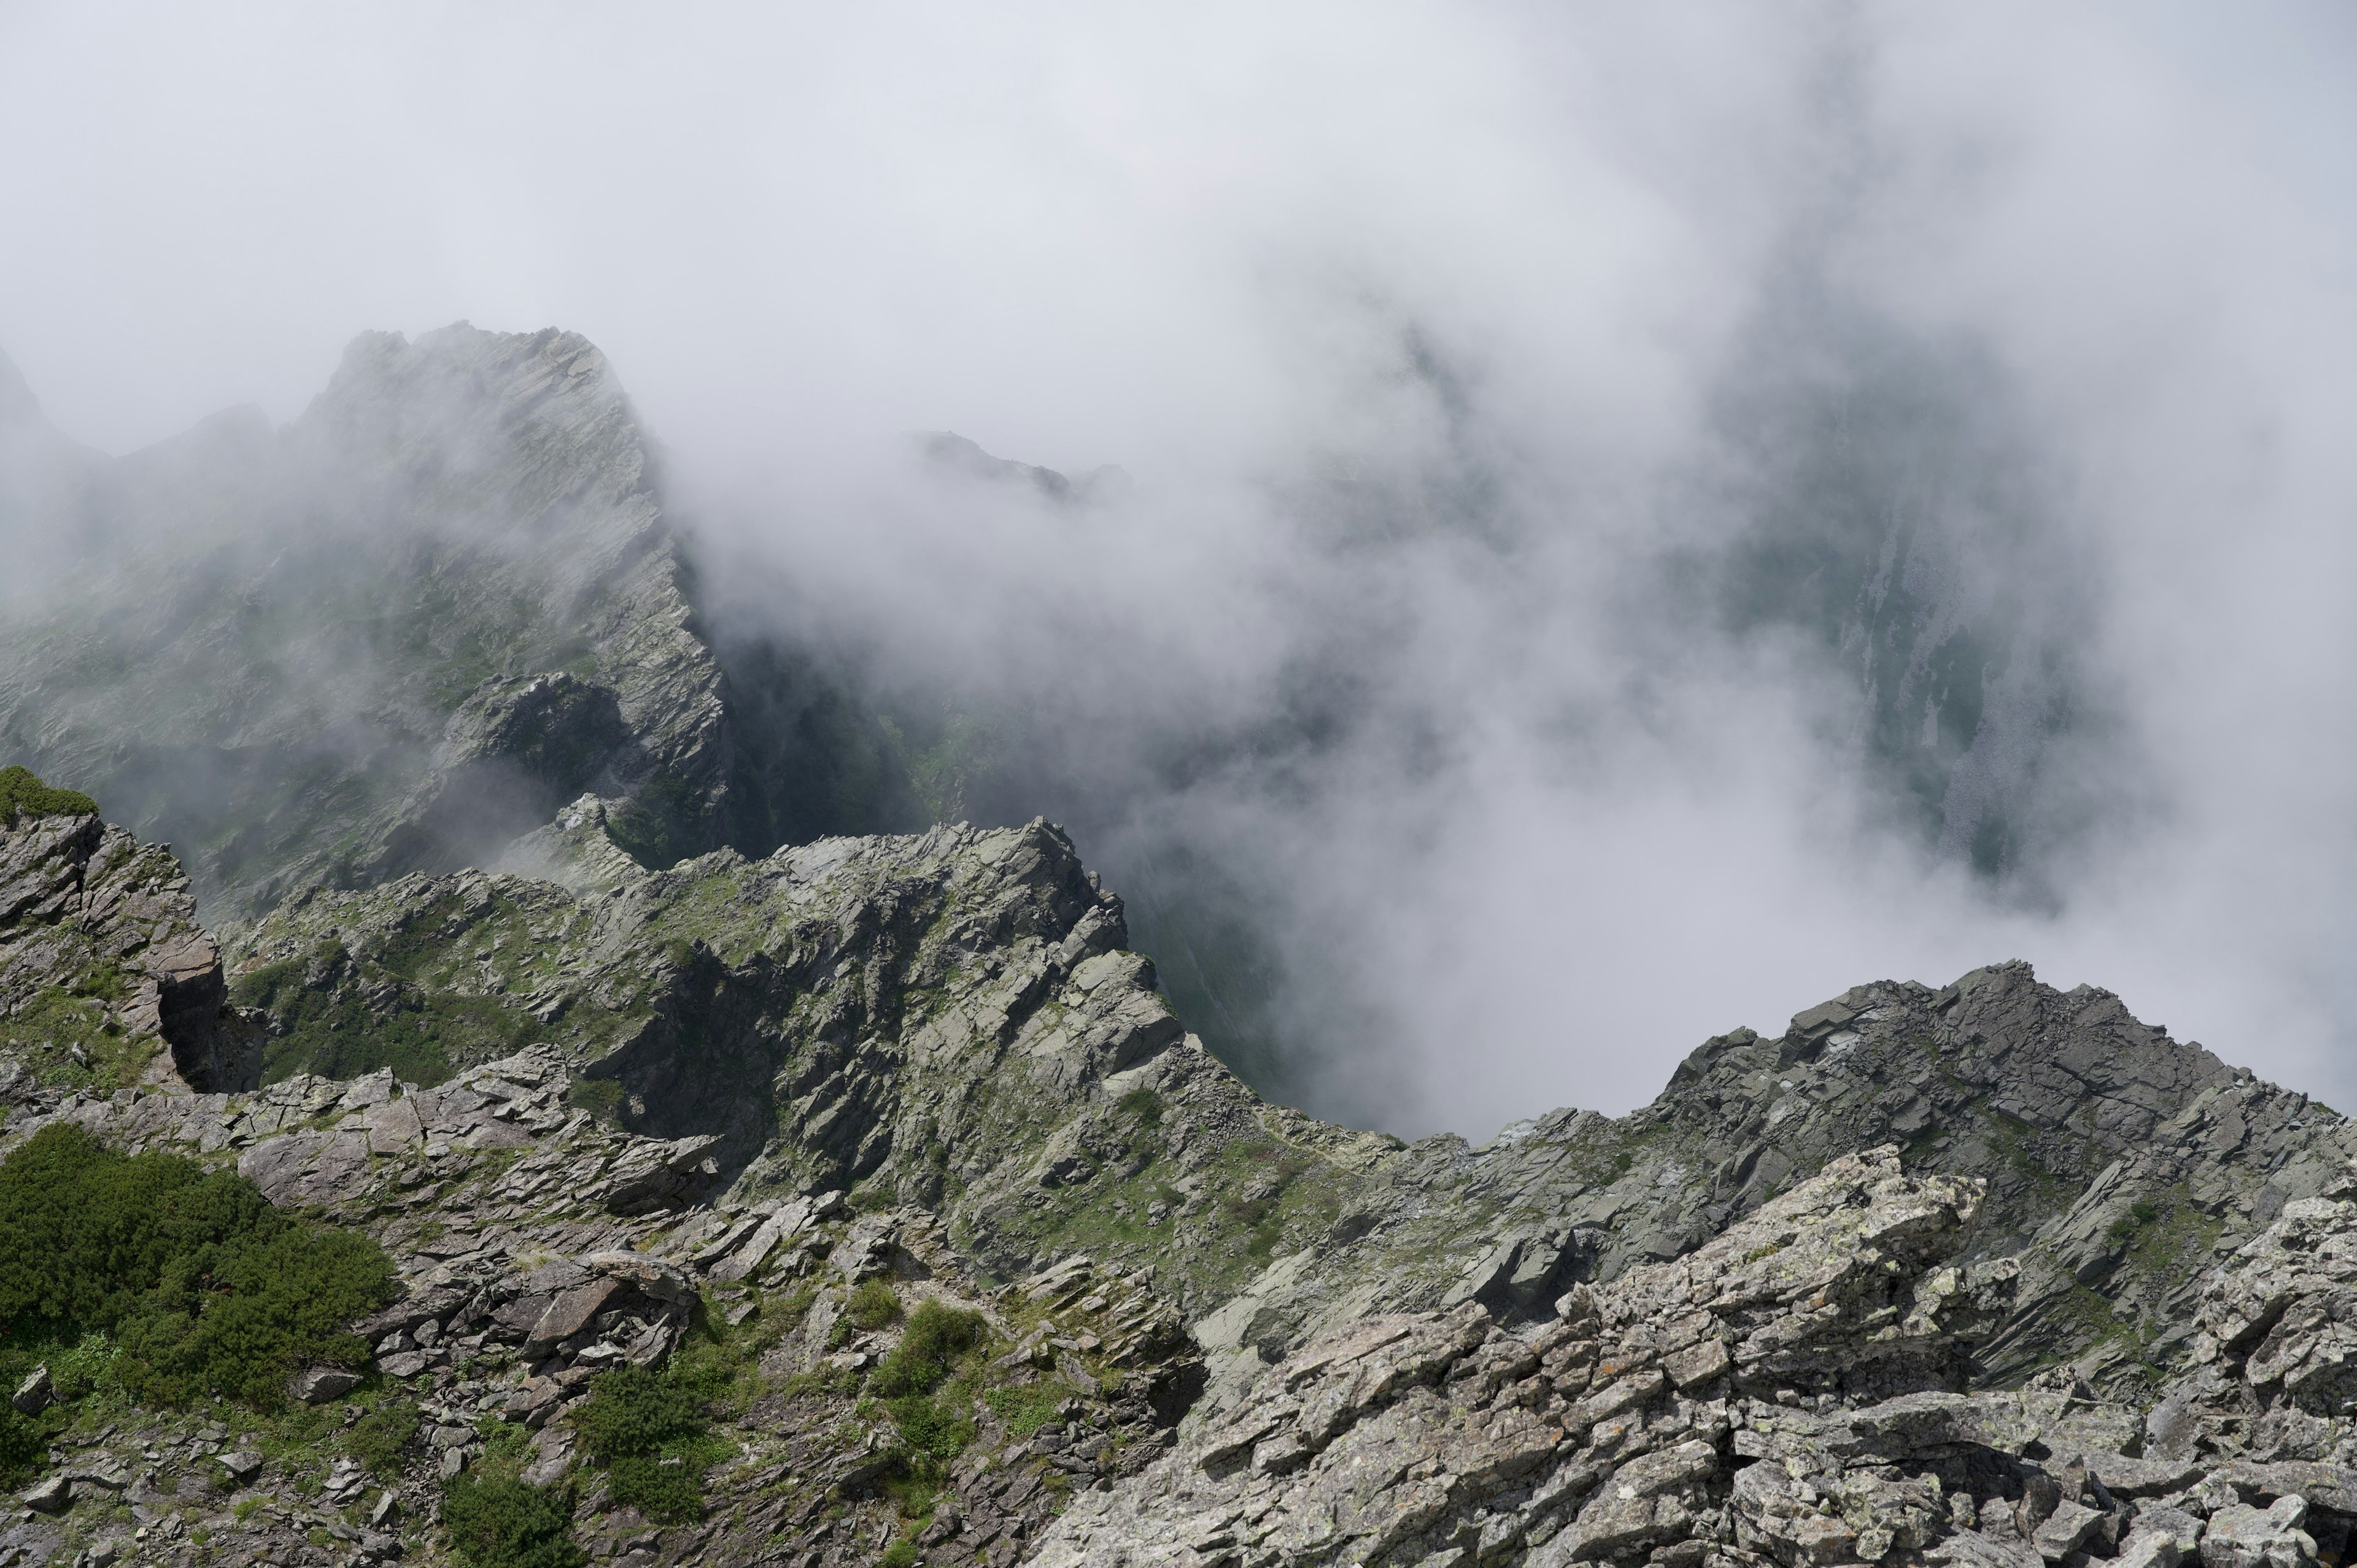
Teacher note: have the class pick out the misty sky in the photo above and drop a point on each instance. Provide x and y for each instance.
(1432, 339)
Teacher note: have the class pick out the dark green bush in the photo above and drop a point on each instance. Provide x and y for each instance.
(634, 1422)
(496, 1522)
(204, 1286)
(633, 1411)
(22, 1445)
(380, 1439)
(936, 1336)
(23, 796)
(873, 1305)
(668, 1489)
(2140, 1214)
(927, 1430)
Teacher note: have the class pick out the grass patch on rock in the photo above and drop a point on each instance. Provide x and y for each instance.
(320, 1023)
(70, 1039)
(873, 1305)
(24, 797)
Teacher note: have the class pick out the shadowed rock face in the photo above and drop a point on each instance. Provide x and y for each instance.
(104, 972)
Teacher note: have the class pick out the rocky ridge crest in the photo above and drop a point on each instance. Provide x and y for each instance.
(725, 1090)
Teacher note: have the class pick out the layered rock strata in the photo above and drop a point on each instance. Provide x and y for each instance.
(104, 971)
(1798, 1390)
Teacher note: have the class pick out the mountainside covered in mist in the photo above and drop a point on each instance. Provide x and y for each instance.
(702, 1176)
(397, 634)
(1897, 516)
(400, 632)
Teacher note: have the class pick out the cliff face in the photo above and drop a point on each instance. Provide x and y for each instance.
(1889, 503)
(106, 979)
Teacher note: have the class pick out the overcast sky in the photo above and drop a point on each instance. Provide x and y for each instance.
(1495, 265)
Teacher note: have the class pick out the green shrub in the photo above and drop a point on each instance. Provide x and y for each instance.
(494, 1522)
(873, 1305)
(633, 1411)
(936, 1336)
(380, 1439)
(24, 797)
(2140, 1214)
(667, 1489)
(1142, 1106)
(902, 1553)
(647, 1430)
(504, 1442)
(22, 1445)
(203, 1285)
(928, 1429)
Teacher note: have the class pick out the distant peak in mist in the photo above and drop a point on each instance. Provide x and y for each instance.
(17, 403)
(948, 452)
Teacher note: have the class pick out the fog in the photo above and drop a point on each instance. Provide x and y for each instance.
(1501, 397)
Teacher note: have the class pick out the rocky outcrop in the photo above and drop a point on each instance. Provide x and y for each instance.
(537, 1248)
(728, 1098)
(948, 1020)
(1603, 1431)
(105, 975)
(1799, 1390)
(950, 1017)
(2272, 1373)
(2121, 1166)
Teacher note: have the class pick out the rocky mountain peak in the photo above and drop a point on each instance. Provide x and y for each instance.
(324, 690)
(106, 979)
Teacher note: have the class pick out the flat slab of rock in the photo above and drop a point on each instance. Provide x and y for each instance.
(569, 1314)
(318, 1385)
(51, 1494)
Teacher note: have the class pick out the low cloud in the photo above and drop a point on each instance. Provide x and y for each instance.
(1550, 436)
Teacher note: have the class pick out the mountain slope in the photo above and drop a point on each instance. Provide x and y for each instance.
(398, 634)
(683, 1119)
